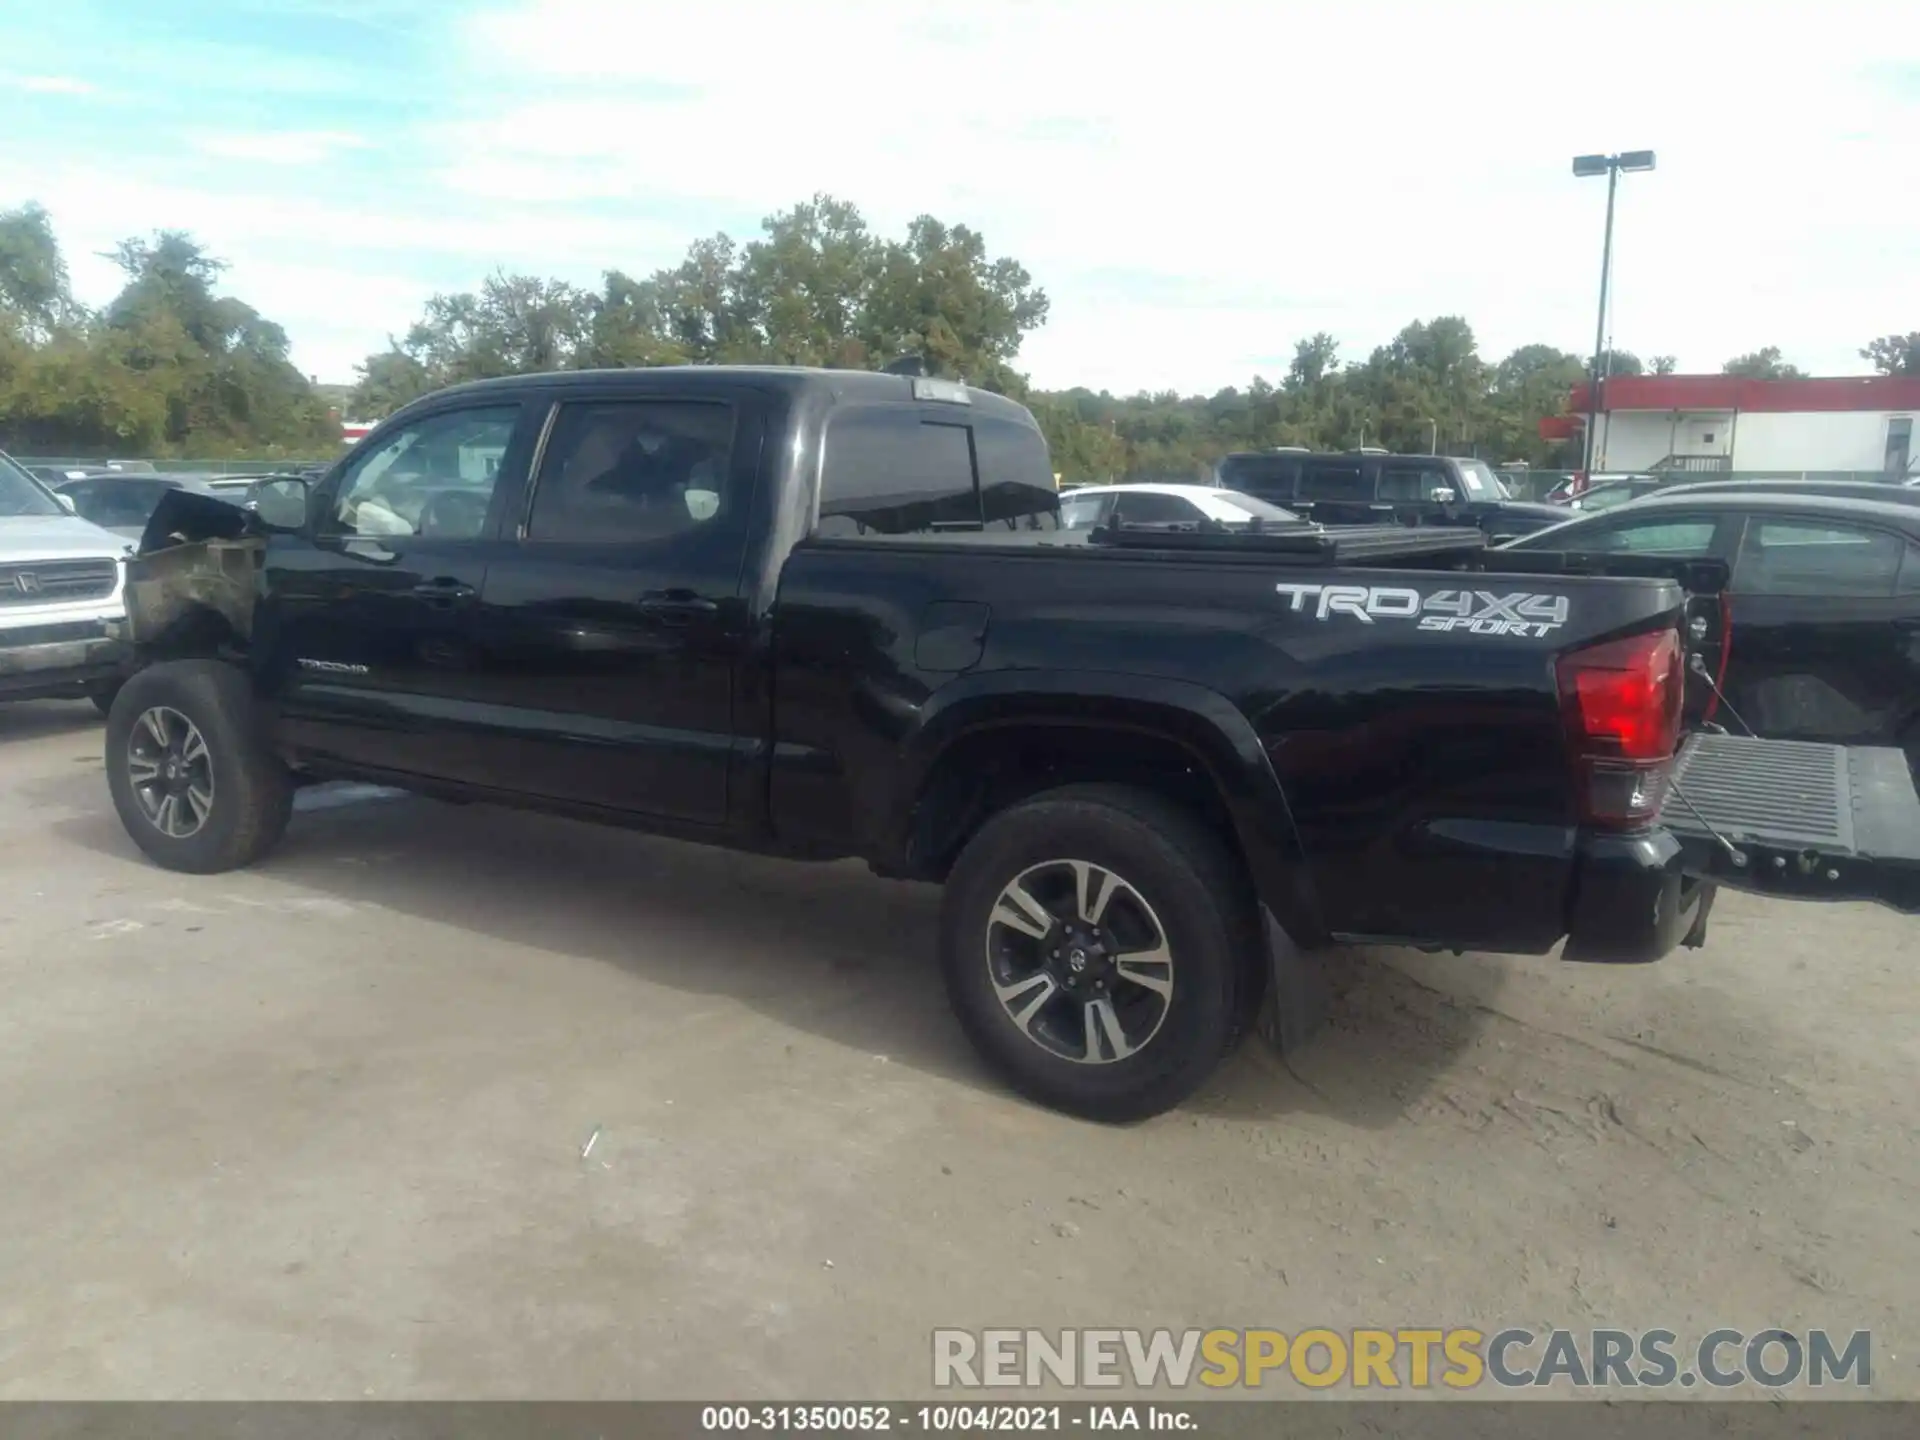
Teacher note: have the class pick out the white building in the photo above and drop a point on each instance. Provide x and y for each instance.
(1850, 425)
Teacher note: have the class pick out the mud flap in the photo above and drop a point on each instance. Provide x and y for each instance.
(1798, 820)
(1295, 1006)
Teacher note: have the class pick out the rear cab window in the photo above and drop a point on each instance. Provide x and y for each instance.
(920, 470)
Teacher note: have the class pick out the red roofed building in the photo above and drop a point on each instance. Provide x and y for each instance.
(1860, 425)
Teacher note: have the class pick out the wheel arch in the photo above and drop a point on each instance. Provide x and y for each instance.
(988, 741)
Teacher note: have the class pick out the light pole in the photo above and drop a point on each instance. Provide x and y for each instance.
(1609, 166)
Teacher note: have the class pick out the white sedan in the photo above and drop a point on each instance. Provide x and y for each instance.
(1092, 507)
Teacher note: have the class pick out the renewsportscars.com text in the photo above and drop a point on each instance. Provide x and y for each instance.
(1411, 1358)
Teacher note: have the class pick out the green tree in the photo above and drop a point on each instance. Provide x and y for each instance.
(1894, 354)
(35, 300)
(1764, 364)
(1663, 365)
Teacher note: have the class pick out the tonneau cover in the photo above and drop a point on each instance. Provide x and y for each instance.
(1822, 822)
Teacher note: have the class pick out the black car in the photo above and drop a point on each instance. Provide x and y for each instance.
(1824, 605)
(1888, 492)
(1367, 487)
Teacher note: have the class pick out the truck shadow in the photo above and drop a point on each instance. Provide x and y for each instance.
(32, 719)
(829, 949)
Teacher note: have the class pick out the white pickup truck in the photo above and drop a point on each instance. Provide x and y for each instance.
(62, 588)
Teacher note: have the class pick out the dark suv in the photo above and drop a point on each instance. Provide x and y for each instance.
(1368, 487)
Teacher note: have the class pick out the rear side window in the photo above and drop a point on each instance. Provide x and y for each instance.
(1803, 557)
(1270, 477)
(618, 472)
(1017, 490)
(1332, 482)
(889, 471)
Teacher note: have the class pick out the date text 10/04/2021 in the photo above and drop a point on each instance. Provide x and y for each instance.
(947, 1418)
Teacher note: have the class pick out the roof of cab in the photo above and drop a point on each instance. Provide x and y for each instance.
(868, 386)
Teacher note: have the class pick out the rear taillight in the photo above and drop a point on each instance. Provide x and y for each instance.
(1621, 703)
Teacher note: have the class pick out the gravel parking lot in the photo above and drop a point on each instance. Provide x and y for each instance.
(316, 1130)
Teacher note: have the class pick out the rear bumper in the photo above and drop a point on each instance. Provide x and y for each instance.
(1633, 901)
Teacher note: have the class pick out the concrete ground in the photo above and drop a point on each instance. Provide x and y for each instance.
(316, 1130)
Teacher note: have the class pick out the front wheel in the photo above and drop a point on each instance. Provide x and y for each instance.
(1096, 942)
(194, 785)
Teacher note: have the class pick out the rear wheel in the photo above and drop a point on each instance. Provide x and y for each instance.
(194, 785)
(1097, 941)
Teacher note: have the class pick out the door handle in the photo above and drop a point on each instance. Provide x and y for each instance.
(675, 607)
(444, 592)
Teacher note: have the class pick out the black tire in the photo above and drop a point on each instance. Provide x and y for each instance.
(1200, 898)
(252, 792)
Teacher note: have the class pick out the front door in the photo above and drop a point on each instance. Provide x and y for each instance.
(1826, 630)
(368, 620)
(617, 622)
(1419, 492)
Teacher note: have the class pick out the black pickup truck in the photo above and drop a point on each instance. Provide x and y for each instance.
(832, 614)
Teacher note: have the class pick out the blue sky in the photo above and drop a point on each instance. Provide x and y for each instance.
(1197, 186)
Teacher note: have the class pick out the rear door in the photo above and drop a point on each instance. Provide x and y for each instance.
(1826, 629)
(614, 620)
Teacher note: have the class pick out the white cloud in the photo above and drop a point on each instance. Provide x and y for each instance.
(1379, 162)
(281, 147)
(55, 85)
(1196, 188)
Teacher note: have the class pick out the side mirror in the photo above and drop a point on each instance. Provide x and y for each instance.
(279, 502)
(66, 502)
(1442, 495)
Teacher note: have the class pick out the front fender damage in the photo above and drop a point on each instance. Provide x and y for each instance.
(199, 558)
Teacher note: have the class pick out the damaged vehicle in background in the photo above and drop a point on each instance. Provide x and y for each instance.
(61, 581)
(833, 614)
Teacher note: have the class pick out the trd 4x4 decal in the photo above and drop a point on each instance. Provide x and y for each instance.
(1480, 611)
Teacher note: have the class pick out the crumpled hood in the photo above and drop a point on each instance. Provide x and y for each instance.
(56, 537)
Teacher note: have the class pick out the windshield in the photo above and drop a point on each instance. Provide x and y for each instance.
(1481, 483)
(1603, 497)
(116, 503)
(21, 494)
(1079, 514)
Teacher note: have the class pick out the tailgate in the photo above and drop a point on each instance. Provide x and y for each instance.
(1802, 821)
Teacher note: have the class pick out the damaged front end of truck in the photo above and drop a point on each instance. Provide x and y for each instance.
(193, 583)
